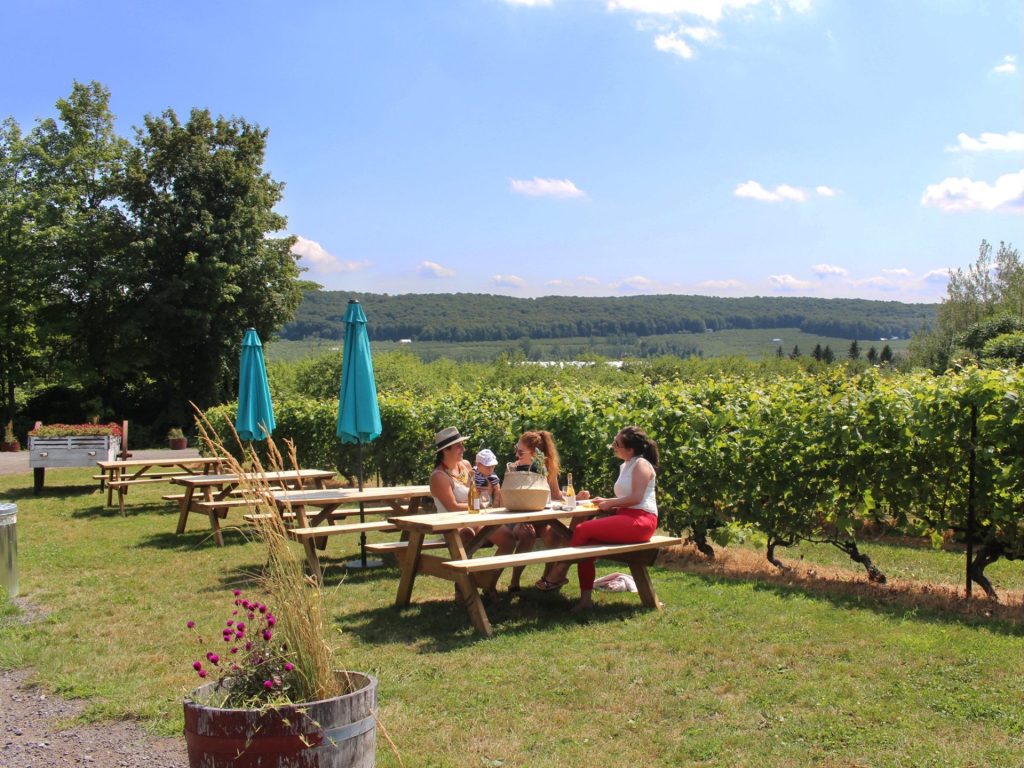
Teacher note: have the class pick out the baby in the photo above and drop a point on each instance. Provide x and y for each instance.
(486, 479)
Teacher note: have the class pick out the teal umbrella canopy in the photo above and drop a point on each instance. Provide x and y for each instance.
(358, 412)
(255, 410)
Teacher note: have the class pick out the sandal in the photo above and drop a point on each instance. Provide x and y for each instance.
(550, 586)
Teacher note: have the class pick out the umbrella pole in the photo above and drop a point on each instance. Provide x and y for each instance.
(362, 562)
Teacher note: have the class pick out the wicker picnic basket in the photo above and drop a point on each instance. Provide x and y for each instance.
(524, 491)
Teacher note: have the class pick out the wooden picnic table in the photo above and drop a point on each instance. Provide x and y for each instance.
(215, 492)
(311, 531)
(120, 475)
(469, 573)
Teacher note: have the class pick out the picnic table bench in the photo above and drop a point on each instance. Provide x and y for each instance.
(313, 531)
(120, 475)
(214, 495)
(469, 573)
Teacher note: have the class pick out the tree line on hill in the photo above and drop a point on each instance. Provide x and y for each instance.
(486, 317)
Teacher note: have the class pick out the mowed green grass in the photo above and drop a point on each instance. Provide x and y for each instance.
(731, 673)
(751, 343)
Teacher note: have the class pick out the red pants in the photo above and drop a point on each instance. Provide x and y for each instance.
(626, 526)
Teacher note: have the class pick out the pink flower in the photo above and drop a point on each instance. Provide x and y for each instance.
(197, 665)
(202, 673)
(288, 666)
(267, 634)
(268, 684)
(237, 592)
(190, 624)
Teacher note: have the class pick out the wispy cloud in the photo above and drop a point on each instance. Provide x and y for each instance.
(824, 191)
(964, 194)
(937, 276)
(721, 285)
(433, 270)
(509, 281)
(1013, 141)
(673, 21)
(1007, 66)
(754, 191)
(788, 283)
(637, 283)
(538, 187)
(898, 272)
(317, 258)
(828, 270)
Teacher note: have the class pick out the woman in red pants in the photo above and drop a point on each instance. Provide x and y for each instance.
(634, 506)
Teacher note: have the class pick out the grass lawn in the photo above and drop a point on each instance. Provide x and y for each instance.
(732, 673)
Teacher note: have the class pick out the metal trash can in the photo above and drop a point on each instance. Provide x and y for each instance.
(9, 548)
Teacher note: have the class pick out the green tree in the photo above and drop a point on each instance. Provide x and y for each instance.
(992, 286)
(19, 275)
(885, 356)
(82, 236)
(872, 355)
(204, 209)
(816, 353)
(795, 353)
(827, 355)
(854, 351)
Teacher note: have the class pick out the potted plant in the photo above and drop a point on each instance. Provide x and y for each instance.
(10, 443)
(270, 694)
(70, 445)
(176, 439)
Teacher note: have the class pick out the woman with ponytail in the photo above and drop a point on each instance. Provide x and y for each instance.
(634, 508)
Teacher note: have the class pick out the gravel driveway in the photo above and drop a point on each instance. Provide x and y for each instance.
(35, 727)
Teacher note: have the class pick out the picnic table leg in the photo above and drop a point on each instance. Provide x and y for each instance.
(121, 491)
(186, 505)
(467, 586)
(313, 560)
(110, 491)
(218, 537)
(642, 576)
(408, 565)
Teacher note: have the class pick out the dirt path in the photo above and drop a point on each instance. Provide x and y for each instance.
(36, 732)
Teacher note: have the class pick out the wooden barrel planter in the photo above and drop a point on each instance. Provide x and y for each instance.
(333, 733)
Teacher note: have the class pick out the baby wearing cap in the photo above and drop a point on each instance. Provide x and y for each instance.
(487, 482)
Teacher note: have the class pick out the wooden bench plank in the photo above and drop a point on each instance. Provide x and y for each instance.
(396, 547)
(561, 554)
(332, 530)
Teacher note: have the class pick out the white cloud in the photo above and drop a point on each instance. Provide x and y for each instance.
(434, 270)
(589, 280)
(788, 282)
(898, 272)
(666, 17)
(937, 276)
(755, 191)
(1012, 141)
(963, 194)
(828, 270)
(824, 191)
(508, 281)
(1007, 67)
(637, 283)
(672, 44)
(538, 187)
(316, 257)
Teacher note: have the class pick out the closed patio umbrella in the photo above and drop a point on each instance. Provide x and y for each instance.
(255, 420)
(358, 411)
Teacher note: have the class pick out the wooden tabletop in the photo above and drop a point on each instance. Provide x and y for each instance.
(134, 463)
(199, 481)
(343, 495)
(448, 521)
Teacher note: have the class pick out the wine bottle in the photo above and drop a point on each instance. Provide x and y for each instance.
(473, 499)
(569, 497)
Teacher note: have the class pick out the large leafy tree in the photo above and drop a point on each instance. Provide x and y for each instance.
(19, 277)
(991, 287)
(83, 239)
(203, 208)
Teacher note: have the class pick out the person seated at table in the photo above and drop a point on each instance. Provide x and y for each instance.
(449, 487)
(527, 447)
(634, 508)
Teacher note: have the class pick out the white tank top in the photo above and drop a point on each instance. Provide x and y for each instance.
(624, 485)
(461, 491)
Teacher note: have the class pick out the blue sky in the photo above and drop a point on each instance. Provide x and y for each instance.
(852, 148)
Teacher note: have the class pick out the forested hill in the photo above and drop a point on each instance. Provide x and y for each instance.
(485, 317)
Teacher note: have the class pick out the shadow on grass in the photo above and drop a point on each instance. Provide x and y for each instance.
(189, 540)
(52, 492)
(925, 602)
(438, 625)
(154, 508)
